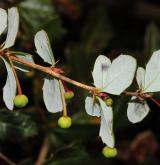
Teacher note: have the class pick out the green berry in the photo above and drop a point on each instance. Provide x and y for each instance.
(20, 101)
(109, 152)
(64, 122)
(69, 95)
(108, 101)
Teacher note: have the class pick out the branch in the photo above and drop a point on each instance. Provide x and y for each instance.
(43, 152)
(7, 160)
(131, 93)
(155, 101)
(49, 71)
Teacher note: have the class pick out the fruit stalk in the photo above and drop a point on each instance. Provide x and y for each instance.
(63, 99)
(16, 77)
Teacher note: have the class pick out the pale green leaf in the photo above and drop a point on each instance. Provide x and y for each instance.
(9, 90)
(106, 127)
(43, 47)
(3, 20)
(21, 67)
(137, 111)
(140, 77)
(92, 108)
(13, 24)
(99, 73)
(120, 74)
(152, 76)
(52, 95)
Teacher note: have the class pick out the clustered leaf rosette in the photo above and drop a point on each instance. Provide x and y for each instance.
(9, 21)
(148, 82)
(53, 90)
(112, 78)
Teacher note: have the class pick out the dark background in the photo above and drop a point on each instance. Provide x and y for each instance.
(79, 31)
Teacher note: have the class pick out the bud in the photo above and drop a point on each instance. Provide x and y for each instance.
(69, 95)
(108, 101)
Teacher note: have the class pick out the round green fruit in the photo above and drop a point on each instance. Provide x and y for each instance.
(69, 95)
(109, 152)
(108, 101)
(20, 101)
(64, 122)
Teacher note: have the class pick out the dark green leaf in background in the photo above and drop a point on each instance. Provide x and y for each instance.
(16, 125)
(69, 156)
(151, 40)
(40, 14)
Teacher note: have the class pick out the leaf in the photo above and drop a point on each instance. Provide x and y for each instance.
(3, 22)
(151, 40)
(9, 90)
(69, 156)
(27, 57)
(92, 108)
(120, 74)
(43, 47)
(22, 67)
(99, 73)
(137, 111)
(54, 140)
(19, 53)
(26, 161)
(40, 14)
(52, 95)
(96, 38)
(13, 24)
(106, 127)
(81, 118)
(152, 77)
(140, 77)
(16, 125)
(78, 132)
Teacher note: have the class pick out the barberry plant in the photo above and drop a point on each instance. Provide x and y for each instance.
(109, 78)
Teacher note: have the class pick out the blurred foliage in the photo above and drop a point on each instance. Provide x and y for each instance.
(40, 14)
(94, 38)
(79, 32)
(16, 124)
(70, 156)
(152, 39)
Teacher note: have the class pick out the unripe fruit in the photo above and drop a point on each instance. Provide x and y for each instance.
(109, 152)
(64, 122)
(20, 101)
(108, 101)
(69, 95)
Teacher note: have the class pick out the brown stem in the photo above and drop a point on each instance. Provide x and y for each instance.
(49, 71)
(65, 86)
(63, 99)
(155, 101)
(131, 93)
(16, 77)
(7, 160)
(142, 96)
(43, 153)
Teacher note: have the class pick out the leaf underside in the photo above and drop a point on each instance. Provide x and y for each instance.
(9, 90)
